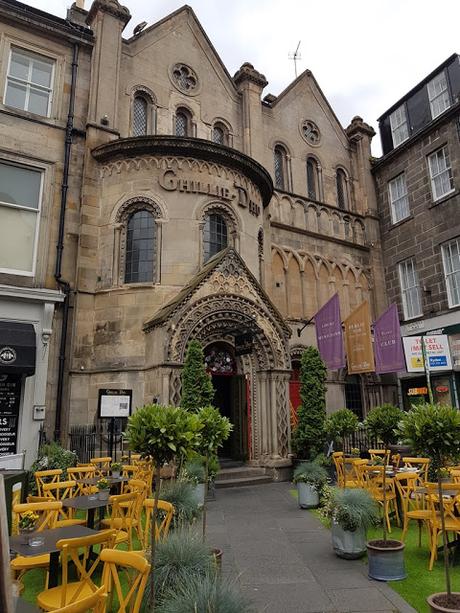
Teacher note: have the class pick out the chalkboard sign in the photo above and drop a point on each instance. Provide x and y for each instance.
(244, 343)
(115, 403)
(10, 397)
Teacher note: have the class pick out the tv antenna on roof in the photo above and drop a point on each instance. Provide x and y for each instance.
(295, 56)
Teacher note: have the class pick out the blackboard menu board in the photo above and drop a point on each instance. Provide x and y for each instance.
(10, 397)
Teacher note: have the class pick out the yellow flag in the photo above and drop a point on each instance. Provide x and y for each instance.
(358, 340)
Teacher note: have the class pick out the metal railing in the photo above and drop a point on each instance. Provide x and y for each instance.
(360, 440)
(91, 440)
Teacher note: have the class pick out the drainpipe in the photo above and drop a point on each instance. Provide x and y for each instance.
(63, 284)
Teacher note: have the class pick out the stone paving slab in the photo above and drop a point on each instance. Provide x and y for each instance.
(281, 557)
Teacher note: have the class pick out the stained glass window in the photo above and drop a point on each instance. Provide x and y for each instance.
(215, 235)
(140, 248)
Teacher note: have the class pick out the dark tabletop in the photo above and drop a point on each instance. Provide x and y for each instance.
(85, 502)
(18, 543)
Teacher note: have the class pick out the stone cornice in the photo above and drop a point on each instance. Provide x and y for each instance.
(191, 148)
(113, 7)
(247, 72)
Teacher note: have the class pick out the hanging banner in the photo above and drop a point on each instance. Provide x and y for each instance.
(328, 324)
(358, 340)
(436, 350)
(388, 351)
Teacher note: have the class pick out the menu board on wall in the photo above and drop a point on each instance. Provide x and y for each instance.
(115, 403)
(10, 397)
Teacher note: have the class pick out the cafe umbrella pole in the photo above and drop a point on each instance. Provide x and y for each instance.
(426, 368)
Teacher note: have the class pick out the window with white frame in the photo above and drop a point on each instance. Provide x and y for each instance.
(451, 261)
(438, 94)
(29, 82)
(399, 200)
(399, 126)
(20, 195)
(410, 289)
(440, 173)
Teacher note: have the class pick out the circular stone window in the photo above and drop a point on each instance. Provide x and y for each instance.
(185, 79)
(310, 132)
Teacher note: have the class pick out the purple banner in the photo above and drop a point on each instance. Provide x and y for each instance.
(328, 325)
(389, 356)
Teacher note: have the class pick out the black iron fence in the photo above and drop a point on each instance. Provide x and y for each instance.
(360, 440)
(91, 440)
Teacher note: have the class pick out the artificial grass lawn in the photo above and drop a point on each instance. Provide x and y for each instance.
(420, 582)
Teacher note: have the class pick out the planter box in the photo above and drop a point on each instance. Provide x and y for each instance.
(346, 544)
(436, 608)
(307, 495)
(386, 563)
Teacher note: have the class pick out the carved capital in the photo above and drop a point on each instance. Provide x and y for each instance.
(247, 72)
(112, 7)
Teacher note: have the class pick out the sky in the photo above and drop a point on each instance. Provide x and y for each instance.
(365, 54)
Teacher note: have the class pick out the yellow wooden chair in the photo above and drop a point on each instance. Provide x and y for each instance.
(46, 476)
(128, 471)
(420, 463)
(166, 512)
(352, 472)
(95, 603)
(114, 561)
(79, 473)
(451, 519)
(373, 478)
(379, 454)
(71, 592)
(61, 491)
(102, 465)
(48, 513)
(337, 458)
(455, 475)
(412, 504)
(123, 509)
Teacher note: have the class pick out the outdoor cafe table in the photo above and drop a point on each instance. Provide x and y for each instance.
(87, 503)
(51, 537)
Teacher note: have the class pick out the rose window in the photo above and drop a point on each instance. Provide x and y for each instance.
(185, 78)
(310, 132)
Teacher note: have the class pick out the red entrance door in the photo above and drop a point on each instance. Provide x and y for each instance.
(294, 393)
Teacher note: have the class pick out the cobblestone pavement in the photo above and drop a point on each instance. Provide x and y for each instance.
(282, 556)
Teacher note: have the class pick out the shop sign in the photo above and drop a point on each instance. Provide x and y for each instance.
(454, 343)
(7, 355)
(436, 350)
(244, 343)
(114, 403)
(442, 389)
(171, 182)
(10, 396)
(417, 391)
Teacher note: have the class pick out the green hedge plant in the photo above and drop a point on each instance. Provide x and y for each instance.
(340, 424)
(197, 388)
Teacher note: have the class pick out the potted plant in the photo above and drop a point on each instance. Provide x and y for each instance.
(309, 437)
(194, 472)
(310, 478)
(27, 525)
(160, 433)
(115, 469)
(434, 430)
(104, 488)
(341, 424)
(385, 557)
(351, 512)
(181, 494)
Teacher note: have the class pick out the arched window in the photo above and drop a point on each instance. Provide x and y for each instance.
(218, 135)
(183, 123)
(140, 248)
(312, 179)
(140, 111)
(215, 237)
(280, 163)
(341, 184)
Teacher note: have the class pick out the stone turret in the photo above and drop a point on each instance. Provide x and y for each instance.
(250, 83)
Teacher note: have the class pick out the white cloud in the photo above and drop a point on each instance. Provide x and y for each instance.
(365, 54)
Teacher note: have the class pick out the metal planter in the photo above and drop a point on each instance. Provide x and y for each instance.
(346, 544)
(307, 495)
(386, 563)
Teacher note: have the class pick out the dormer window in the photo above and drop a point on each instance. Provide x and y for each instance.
(438, 95)
(399, 127)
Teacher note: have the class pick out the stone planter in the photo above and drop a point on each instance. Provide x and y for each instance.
(436, 608)
(103, 494)
(199, 494)
(307, 495)
(386, 563)
(116, 474)
(346, 544)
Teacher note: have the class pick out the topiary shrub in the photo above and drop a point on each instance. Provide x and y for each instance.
(197, 388)
(340, 424)
(309, 437)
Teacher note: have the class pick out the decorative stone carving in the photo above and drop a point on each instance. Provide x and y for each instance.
(310, 132)
(184, 78)
(283, 417)
(247, 72)
(108, 6)
(138, 203)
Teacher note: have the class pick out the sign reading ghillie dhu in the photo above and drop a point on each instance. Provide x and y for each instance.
(10, 397)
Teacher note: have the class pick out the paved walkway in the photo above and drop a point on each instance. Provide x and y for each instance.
(283, 559)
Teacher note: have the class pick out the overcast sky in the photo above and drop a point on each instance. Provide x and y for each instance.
(365, 54)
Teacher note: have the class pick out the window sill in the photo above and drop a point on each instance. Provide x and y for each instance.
(401, 222)
(48, 121)
(444, 198)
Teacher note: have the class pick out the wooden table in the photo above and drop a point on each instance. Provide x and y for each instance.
(19, 545)
(88, 503)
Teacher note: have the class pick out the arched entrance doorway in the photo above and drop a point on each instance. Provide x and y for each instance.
(231, 397)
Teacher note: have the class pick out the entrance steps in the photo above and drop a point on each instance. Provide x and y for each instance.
(237, 474)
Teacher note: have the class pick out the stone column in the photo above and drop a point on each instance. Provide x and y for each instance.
(251, 83)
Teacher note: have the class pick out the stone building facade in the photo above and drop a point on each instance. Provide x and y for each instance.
(196, 207)
(418, 181)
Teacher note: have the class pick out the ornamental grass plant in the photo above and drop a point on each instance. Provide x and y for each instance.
(310, 473)
(351, 508)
